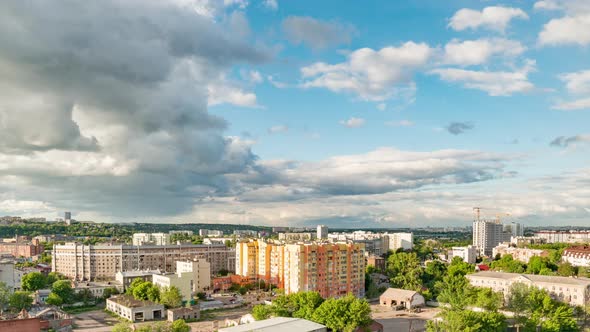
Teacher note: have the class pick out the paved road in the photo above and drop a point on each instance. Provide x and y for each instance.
(97, 320)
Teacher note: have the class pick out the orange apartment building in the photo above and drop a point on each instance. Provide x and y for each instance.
(332, 269)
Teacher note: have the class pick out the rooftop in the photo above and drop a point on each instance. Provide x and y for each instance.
(532, 277)
(399, 293)
(283, 324)
(130, 302)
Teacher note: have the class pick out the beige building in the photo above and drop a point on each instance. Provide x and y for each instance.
(159, 239)
(102, 262)
(573, 291)
(519, 254)
(408, 299)
(201, 273)
(332, 269)
(182, 281)
(135, 310)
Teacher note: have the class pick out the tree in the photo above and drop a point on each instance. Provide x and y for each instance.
(518, 300)
(468, 321)
(20, 300)
(343, 314)
(53, 277)
(136, 282)
(85, 295)
(33, 281)
(566, 270)
(459, 267)
(170, 297)
(54, 299)
(63, 288)
(108, 292)
(538, 264)
(4, 296)
(488, 300)
(180, 326)
(405, 271)
(140, 292)
(153, 293)
(456, 291)
(304, 304)
(508, 264)
(262, 311)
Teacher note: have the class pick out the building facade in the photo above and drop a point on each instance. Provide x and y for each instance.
(200, 270)
(182, 281)
(102, 262)
(322, 232)
(403, 241)
(564, 236)
(22, 249)
(519, 254)
(159, 239)
(468, 254)
(577, 256)
(572, 291)
(135, 310)
(486, 235)
(332, 269)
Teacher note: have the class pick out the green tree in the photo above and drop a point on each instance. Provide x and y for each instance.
(170, 297)
(508, 264)
(180, 326)
(153, 293)
(140, 292)
(54, 299)
(468, 321)
(20, 300)
(4, 296)
(456, 291)
(538, 264)
(405, 271)
(488, 299)
(33, 281)
(304, 304)
(518, 301)
(343, 314)
(459, 267)
(566, 269)
(63, 288)
(108, 292)
(136, 282)
(262, 311)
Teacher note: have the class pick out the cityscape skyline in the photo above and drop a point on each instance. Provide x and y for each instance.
(395, 114)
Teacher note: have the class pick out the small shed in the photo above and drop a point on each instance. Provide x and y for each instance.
(394, 297)
(184, 313)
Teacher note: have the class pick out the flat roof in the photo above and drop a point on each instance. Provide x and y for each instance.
(532, 277)
(283, 324)
(130, 302)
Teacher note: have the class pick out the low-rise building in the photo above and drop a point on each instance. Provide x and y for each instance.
(519, 254)
(159, 239)
(126, 278)
(408, 299)
(135, 310)
(283, 324)
(572, 291)
(182, 281)
(97, 288)
(577, 256)
(185, 313)
(468, 254)
(377, 261)
(303, 236)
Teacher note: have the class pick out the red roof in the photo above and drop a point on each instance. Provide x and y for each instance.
(483, 267)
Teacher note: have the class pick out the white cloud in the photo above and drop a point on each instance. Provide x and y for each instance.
(547, 5)
(573, 30)
(577, 84)
(571, 7)
(353, 122)
(271, 4)
(495, 83)
(252, 76)
(224, 91)
(374, 75)
(476, 52)
(492, 18)
(381, 106)
(402, 123)
(275, 83)
(278, 129)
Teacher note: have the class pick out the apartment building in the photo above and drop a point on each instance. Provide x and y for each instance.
(200, 270)
(577, 256)
(519, 254)
(181, 280)
(22, 249)
(102, 262)
(159, 239)
(564, 236)
(468, 254)
(573, 291)
(403, 241)
(332, 269)
(486, 235)
(322, 232)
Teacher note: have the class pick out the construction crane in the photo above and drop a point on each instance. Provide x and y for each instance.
(477, 211)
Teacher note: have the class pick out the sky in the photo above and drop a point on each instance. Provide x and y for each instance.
(296, 113)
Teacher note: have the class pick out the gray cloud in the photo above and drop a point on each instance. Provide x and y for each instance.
(564, 142)
(103, 105)
(457, 128)
(316, 33)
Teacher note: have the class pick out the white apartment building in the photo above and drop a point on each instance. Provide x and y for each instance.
(7, 274)
(577, 256)
(159, 239)
(182, 281)
(486, 235)
(201, 273)
(210, 232)
(468, 254)
(564, 236)
(404, 241)
(519, 254)
(573, 291)
(322, 232)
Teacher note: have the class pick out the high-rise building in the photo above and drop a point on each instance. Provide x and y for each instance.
(102, 262)
(67, 215)
(512, 229)
(332, 269)
(486, 235)
(404, 241)
(322, 232)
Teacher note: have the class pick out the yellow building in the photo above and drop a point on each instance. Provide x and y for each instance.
(332, 269)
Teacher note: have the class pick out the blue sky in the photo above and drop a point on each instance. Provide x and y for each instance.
(380, 113)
